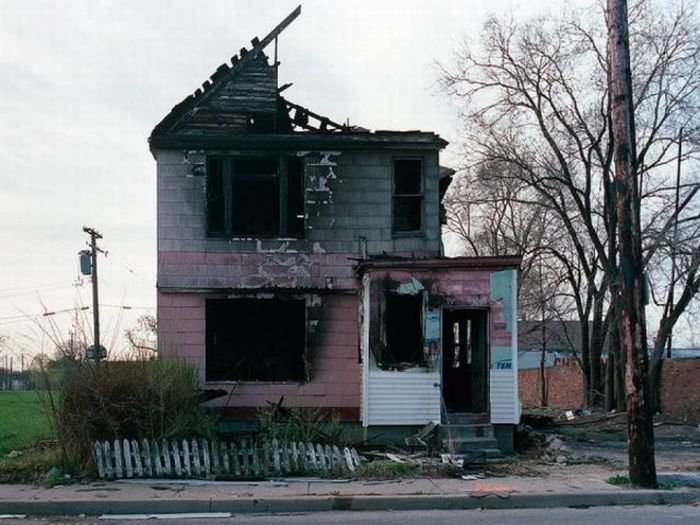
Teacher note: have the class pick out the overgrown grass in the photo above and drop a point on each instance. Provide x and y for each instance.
(46, 435)
(619, 480)
(23, 421)
(27, 443)
(134, 400)
(42, 464)
(310, 425)
(622, 480)
(387, 469)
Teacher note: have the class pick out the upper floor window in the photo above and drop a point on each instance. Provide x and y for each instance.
(255, 196)
(407, 196)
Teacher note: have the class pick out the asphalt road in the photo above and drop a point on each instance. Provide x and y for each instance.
(647, 515)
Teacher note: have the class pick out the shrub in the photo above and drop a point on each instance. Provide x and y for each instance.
(134, 400)
(299, 424)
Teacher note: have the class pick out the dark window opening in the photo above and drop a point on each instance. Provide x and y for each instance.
(255, 196)
(261, 123)
(295, 197)
(404, 331)
(216, 198)
(255, 340)
(408, 196)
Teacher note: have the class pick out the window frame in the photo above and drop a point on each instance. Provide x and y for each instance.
(382, 359)
(302, 354)
(420, 232)
(228, 175)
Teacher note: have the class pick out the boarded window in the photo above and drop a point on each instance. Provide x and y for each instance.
(408, 196)
(255, 196)
(255, 340)
(403, 331)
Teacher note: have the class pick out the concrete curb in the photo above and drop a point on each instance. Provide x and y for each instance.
(350, 503)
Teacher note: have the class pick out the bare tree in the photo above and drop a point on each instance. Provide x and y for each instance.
(143, 338)
(537, 102)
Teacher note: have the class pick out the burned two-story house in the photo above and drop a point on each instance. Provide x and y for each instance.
(301, 259)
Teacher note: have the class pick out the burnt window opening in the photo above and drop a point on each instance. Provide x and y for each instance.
(403, 331)
(255, 340)
(407, 196)
(261, 123)
(255, 196)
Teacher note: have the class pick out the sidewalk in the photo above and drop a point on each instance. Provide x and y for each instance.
(585, 487)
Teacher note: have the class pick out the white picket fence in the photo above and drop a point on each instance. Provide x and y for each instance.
(218, 459)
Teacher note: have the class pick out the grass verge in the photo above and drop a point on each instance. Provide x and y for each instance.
(23, 422)
(621, 480)
(27, 444)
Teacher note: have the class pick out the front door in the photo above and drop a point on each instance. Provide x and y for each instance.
(465, 360)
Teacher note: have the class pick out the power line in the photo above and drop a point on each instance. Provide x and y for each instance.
(28, 291)
(49, 313)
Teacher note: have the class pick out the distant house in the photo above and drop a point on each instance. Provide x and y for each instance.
(300, 258)
(561, 341)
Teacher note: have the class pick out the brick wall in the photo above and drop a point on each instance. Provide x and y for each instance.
(564, 387)
(679, 388)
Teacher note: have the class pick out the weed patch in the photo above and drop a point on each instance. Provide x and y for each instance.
(309, 425)
(42, 464)
(134, 400)
(386, 469)
(622, 480)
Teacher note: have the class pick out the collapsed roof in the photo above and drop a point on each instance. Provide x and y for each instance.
(241, 105)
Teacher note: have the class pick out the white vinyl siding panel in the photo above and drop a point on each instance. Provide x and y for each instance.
(403, 398)
(504, 397)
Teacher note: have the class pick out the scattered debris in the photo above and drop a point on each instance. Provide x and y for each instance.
(470, 477)
(451, 459)
(423, 438)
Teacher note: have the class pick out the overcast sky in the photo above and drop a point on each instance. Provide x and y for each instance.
(83, 83)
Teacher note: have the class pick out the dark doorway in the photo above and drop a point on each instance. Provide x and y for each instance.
(465, 360)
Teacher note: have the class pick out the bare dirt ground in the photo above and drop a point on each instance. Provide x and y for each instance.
(598, 440)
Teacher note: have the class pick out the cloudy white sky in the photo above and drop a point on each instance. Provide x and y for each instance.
(83, 82)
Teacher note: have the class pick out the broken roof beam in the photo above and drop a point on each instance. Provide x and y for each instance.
(278, 29)
(301, 119)
(223, 71)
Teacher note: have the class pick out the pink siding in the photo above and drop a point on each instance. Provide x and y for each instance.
(458, 288)
(335, 375)
(255, 270)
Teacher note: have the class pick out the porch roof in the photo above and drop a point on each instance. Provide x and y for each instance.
(438, 263)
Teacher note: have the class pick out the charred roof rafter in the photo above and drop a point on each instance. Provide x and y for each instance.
(223, 73)
(299, 116)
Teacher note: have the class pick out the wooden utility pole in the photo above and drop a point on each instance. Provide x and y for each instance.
(640, 430)
(94, 235)
(669, 305)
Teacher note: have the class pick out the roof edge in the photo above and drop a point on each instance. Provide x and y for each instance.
(306, 140)
(434, 263)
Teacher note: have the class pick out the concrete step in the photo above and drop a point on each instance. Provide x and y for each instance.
(471, 439)
(466, 418)
(479, 430)
(483, 455)
(470, 445)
